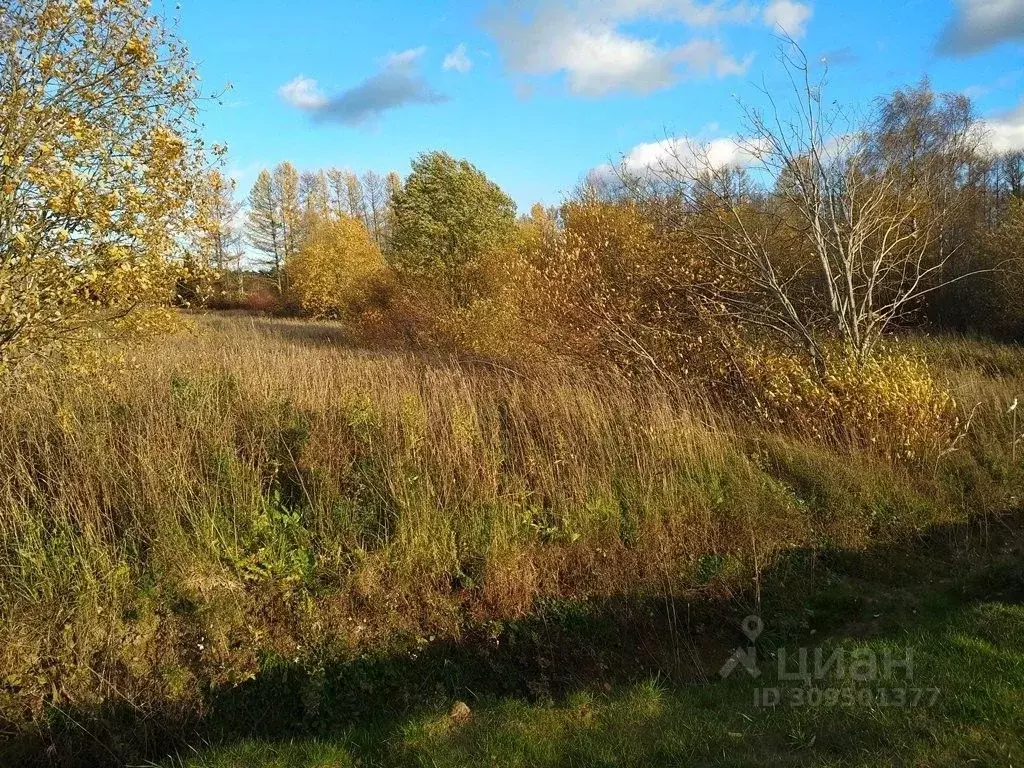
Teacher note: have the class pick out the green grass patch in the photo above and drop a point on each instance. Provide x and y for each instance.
(963, 705)
(950, 605)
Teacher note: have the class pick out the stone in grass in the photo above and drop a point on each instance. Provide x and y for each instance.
(460, 713)
(457, 717)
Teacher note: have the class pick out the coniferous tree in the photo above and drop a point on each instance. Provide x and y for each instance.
(265, 229)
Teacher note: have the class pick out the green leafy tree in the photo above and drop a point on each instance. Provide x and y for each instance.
(446, 221)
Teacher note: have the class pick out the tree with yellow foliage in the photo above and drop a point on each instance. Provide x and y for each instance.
(217, 248)
(219, 237)
(331, 270)
(99, 161)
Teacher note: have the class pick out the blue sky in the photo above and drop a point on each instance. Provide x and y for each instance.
(538, 93)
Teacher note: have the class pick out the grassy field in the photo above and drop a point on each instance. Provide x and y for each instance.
(263, 544)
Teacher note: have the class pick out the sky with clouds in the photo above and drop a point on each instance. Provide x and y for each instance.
(540, 92)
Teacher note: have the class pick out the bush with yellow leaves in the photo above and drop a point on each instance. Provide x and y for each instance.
(498, 320)
(332, 273)
(609, 284)
(501, 323)
(890, 404)
(618, 286)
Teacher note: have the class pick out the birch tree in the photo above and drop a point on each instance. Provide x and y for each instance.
(828, 237)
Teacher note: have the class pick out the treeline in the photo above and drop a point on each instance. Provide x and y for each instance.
(944, 218)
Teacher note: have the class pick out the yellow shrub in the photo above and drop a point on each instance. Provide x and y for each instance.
(333, 270)
(491, 328)
(617, 286)
(891, 403)
(500, 322)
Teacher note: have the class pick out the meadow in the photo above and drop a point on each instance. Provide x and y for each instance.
(257, 527)
(370, 470)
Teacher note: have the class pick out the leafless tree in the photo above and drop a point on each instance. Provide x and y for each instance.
(824, 235)
(377, 199)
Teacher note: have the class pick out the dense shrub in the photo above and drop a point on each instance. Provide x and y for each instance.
(989, 299)
(332, 271)
(616, 286)
(891, 404)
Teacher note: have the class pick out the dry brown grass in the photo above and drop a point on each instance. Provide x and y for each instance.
(263, 486)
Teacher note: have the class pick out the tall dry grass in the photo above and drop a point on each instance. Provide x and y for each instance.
(264, 487)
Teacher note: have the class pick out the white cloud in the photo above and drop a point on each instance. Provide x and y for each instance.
(603, 61)
(981, 24)
(458, 60)
(690, 12)
(682, 155)
(588, 42)
(302, 92)
(687, 155)
(707, 57)
(405, 59)
(789, 16)
(1006, 131)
